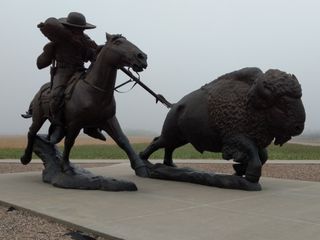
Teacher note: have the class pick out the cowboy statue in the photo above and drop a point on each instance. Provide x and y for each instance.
(69, 48)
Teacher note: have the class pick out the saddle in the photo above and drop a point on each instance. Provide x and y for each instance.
(44, 96)
(72, 83)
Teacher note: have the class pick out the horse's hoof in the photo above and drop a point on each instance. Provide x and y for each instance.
(141, 156)
(170, 164)
(68, 170)
(142, 171)
(25, 159)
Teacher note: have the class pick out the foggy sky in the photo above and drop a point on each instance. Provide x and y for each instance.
(188, 42)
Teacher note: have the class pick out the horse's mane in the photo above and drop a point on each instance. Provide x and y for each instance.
(113, 38)
(116, 36)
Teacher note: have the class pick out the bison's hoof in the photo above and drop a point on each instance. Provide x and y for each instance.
(239, 169)
(25, 159)
(252, 178)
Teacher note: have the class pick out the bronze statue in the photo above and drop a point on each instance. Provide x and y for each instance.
(68, 50)
(89, 101)
(238, 114)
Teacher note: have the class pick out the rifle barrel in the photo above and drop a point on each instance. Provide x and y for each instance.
(134, 78)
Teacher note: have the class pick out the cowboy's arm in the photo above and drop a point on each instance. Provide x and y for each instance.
(46, 57)
(90, 42)
(54, 30)
(92, 48)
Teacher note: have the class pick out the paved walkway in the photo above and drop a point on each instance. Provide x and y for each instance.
(283, 210)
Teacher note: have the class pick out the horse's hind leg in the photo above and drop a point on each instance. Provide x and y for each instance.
(113, 128)
(34, 128)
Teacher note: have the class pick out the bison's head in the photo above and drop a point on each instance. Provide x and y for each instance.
(279, 95)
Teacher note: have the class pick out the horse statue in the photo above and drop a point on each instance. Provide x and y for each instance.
(91, 102)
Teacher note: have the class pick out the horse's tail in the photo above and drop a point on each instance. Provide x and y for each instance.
(27, 114)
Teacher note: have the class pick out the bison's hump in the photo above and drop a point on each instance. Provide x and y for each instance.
(229, 112)
(245, 75)
(227, 103)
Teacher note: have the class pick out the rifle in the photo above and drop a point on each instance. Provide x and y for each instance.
(53, 70)
(158, 97)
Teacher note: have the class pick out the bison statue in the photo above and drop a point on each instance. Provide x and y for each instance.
(238, 114)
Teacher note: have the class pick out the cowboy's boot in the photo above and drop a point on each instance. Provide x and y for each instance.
(57, 135)
(95, 133)
(57, 130)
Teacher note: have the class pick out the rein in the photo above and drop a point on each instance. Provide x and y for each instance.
(94, 87)
(158, 97)
(126, 82)
(116, 88)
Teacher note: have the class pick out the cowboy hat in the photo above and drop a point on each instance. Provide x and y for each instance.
(76, 19)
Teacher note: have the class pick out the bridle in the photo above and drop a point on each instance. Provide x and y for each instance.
(128, 81)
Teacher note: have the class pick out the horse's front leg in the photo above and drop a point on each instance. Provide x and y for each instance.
(113, 128)
(69, 140)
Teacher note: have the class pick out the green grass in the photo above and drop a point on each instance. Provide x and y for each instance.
(287, 152)
(294, 152)
(114, 152)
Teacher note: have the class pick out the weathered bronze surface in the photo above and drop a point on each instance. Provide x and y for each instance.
(88, 96)
(238, 114)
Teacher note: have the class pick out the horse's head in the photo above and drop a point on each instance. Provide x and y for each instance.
(120, 52)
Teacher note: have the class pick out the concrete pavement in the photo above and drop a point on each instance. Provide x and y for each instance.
(283, 210)
(175, 160)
